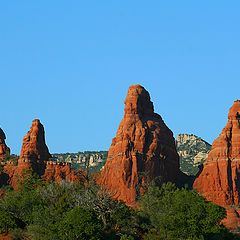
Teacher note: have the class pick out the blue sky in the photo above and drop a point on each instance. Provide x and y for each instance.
(70, 63)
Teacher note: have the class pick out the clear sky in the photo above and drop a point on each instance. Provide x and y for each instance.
(70, 63)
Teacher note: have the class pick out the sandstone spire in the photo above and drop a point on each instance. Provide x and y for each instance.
(220, 179)
(144, 149)
(34, 146)
(4, 149)
(35, 156)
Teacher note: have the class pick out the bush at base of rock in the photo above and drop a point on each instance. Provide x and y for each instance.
(171, 213)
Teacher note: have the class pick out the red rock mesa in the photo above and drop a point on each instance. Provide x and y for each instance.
(4, 149)
(144, 149)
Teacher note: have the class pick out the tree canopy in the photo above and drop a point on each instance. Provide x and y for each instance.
(66, 210)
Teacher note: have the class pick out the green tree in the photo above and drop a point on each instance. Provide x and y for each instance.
(8, 222)
(80, 223)
(180, 214)
(20, 203)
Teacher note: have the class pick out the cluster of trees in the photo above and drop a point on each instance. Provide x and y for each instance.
(65, 210)
(10, 157)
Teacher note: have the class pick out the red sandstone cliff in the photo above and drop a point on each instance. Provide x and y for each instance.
(220, 179)
(144, 149)
(4, 149)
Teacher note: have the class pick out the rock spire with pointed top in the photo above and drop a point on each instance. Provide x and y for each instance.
(143, 150)
(34, 146)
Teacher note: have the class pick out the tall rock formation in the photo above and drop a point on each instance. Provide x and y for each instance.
(143, 150)
(34, 151)
(4, 149)
(34, 146)
(220, 179)
(35, 156)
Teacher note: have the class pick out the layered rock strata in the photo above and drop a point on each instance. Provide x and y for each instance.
(34, 146)
(143, 150)
(220, 179)
(34, 152)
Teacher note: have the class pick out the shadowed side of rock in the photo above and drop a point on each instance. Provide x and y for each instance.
(4, 149)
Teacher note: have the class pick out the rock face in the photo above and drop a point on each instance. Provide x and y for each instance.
(58, 171)
(192, 151)
(34, 146)
(4, 149)
(35, 156)
(34, 151)
(220, 179)
(232, 221)
(144, 149)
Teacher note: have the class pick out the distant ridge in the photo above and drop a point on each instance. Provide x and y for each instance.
(193, 151)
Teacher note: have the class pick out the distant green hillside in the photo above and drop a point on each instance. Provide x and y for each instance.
(192, 151)
(88, 160)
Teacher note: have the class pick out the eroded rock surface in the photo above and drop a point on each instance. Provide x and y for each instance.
(34, 146)
(35, 157)
(220, 178)
(4, 149)
(143, 150)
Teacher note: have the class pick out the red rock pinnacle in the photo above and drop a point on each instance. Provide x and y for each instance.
(144, 149)
(35, 156)
(34, 146)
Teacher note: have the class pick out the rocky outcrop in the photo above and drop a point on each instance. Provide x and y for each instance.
(4, 149)
(220, 178)
(34, 146)
(192, 151)
(35, 156)
(58, 171)
(232, 221)
(143, 150)
(91, 161)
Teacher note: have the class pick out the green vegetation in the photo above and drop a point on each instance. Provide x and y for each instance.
(192, 151)
(10, 157)
(63, 211)
(68, 210)
(181, 214)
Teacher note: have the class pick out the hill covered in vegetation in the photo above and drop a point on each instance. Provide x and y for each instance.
(192, 151)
